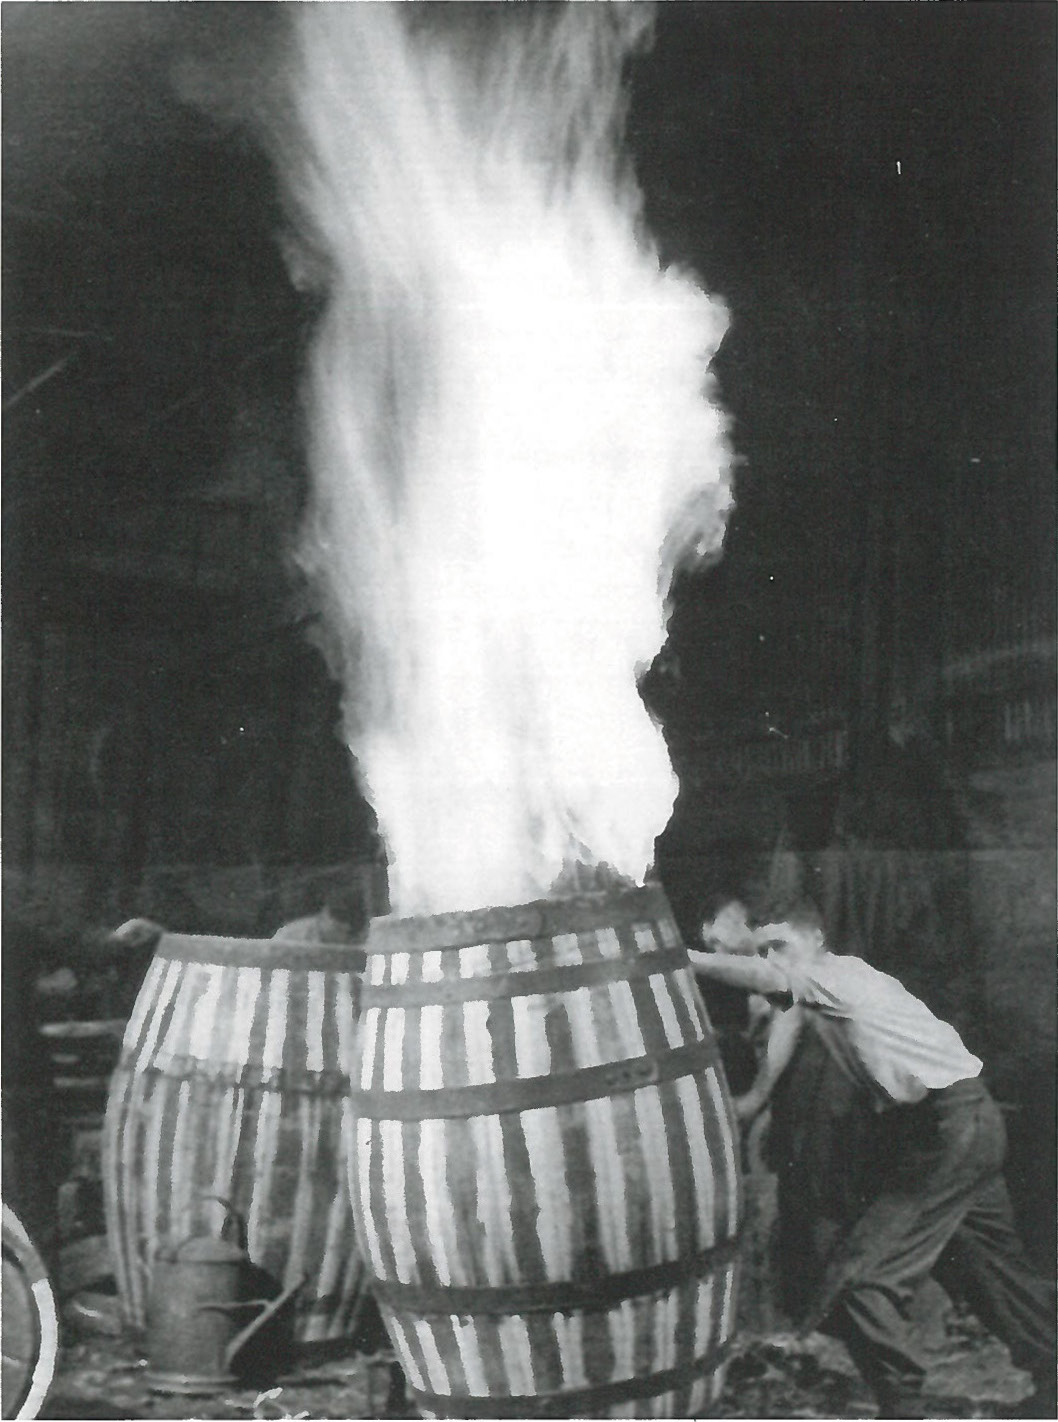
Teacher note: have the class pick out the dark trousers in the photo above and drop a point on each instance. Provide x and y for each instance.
(942, 1209)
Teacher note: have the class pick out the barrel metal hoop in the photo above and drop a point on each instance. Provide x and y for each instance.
(560, 1296)
(516, 983)
(264, 953)
(540, 919)
(529, 1093)
(244, 1076)
(576, 1402)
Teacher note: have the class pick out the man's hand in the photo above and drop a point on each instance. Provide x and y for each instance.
(747, 1106)
(135, 933)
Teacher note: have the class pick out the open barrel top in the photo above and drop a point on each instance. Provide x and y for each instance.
(538, 919)
(260, 952)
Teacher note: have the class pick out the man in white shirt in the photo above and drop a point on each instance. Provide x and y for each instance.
(939, 1203)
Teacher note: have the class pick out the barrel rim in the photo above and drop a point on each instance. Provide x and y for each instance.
(537, 919)
(268, 953)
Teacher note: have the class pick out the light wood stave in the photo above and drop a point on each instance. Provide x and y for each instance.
(492, 1234)
(234, 1082)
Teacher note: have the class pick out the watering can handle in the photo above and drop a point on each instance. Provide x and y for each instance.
(233, 1222)
(271, 1308)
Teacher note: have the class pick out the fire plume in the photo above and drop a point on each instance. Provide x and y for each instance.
(512, 439)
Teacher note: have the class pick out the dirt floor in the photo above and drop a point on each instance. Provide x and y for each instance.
(775, 1377)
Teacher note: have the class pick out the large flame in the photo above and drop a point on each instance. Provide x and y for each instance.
(512, 443)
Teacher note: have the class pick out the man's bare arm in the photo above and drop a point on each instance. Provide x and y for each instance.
(741, 971)
(783, 1036)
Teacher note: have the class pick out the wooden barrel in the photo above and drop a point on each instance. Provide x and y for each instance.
(234, 1082)
(545, 1178)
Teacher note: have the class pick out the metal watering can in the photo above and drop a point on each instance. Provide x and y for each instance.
(197, 1309)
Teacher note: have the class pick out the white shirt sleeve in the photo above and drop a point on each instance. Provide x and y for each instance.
(903, 1048)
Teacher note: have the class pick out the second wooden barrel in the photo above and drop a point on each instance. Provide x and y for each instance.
(234, 1082)
(545, 1179)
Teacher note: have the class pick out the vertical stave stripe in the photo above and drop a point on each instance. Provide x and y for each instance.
(520, 956)
(466, 1336)
(157, 1017)
(473, 961)
(368, 1071)
(675, 1035)
(177, 1033)
(703, 1317)
(365, 1130)
(609, 944)
(338, 1233)
(727, 1308)
(236, 1048)
(346, 1022)
(409, 1361)
(151, 1165)
(683, 981)
(731, 1172)
(702, 1168)
(478, 1044)
(266, 1134)
(544, 1200)
(395, 1186)
(569, 1335)
(649, 999)
(399, 964)
(667, 932)
(517, 1355)
(184, 1187)
(436, 1372)
(393, 1052)
(310, 1127)
(622, 1324)
(440, 1217)
(315, 1011)
(656, 1159)
(277, 991)
(145, 1003)
(203, 1029)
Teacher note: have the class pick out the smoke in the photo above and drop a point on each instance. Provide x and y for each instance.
(513, 444)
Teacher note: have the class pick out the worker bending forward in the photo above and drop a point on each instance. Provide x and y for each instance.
(940, 1204)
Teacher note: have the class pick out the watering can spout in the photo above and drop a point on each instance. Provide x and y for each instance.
(269, 1309)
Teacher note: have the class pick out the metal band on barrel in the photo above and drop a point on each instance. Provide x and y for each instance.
(576, 1402)
(517, 983)
(558, 1296)
(543, 918)
(266, 953)
(247, 1076)
(528, 1093)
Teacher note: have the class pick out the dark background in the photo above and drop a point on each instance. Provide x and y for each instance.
(890, 364)
(860, 695)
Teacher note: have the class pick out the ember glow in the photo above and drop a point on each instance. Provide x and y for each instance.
(512, 440)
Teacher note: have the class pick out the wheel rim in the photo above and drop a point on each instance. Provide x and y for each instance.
(31, 1325)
